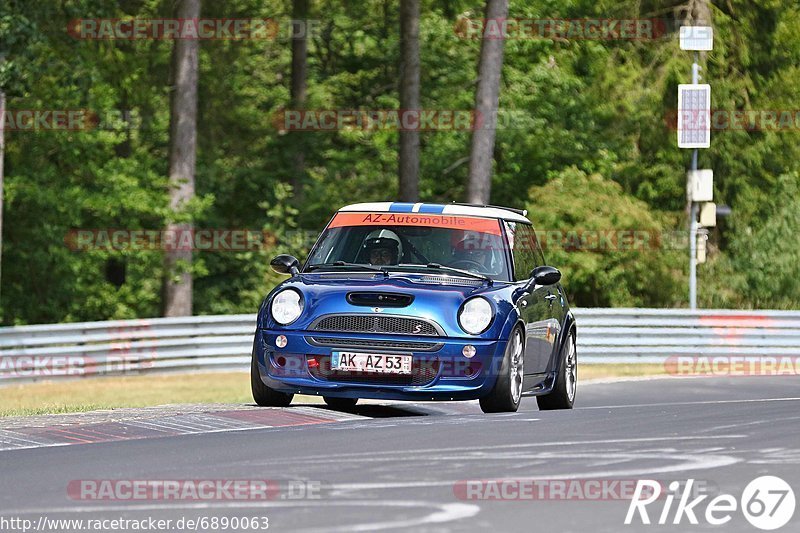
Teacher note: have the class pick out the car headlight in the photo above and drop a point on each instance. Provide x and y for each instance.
(475, 315)
(286, 306)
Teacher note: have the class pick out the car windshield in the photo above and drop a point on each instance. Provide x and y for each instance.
(413, 242)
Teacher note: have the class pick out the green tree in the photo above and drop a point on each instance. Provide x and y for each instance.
(612, 248)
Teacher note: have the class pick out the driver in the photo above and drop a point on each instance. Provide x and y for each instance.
(382, 250)
(472, 250)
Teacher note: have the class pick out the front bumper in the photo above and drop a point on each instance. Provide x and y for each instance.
(439, 370)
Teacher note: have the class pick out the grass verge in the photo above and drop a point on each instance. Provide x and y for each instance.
(224, 387)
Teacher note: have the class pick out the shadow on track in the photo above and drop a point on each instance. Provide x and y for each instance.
(373, 411)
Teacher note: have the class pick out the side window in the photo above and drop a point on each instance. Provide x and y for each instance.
(537, 249)
(525, 249)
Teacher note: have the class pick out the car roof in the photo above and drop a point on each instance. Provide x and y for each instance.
(486, 211)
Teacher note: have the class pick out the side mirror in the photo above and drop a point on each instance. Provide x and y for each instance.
(285, 264)
(545, 275)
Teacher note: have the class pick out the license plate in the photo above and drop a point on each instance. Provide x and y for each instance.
(366, 362)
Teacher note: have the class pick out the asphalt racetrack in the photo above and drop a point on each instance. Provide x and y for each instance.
(443, 466)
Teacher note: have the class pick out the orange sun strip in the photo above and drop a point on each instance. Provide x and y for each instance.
(481, 225)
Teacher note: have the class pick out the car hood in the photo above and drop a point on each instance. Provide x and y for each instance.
(435, 297)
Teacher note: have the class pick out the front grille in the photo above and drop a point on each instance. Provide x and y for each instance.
(422, 373)
(343, 342)
(375, 324)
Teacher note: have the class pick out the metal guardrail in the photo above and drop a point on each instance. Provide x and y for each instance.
(655, 335)
(224, 342)
(154, 345)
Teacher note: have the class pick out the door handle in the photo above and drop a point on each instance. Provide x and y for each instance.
(550, 297)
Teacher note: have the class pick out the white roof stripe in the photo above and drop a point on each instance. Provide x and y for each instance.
(448, 209)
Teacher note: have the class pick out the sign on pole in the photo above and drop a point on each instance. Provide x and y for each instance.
(698, 38)
(708, 215)
(694, 131)
(702, 242)
(700, 185)
(694, 115)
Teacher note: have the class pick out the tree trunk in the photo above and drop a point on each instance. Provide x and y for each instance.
(409, 99)
(486, 101)
(182, 160)
(298, 95)
(697, 13)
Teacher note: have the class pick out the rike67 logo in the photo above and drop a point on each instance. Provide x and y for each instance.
(767, 502)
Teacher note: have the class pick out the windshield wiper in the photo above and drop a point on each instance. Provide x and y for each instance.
(437, 266)
(335, 264)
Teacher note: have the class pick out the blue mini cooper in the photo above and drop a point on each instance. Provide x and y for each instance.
(402, 301)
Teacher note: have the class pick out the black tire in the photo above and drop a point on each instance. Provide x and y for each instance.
(502, 398)
(340, 403)
(561, 396)
(263, 395)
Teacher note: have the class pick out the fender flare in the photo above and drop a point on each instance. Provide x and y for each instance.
(567, 328)
(512, 320)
